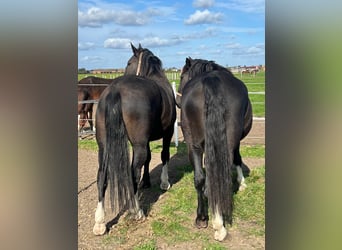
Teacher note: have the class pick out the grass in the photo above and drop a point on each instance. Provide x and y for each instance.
(150, 245)
(257, 151)
(250, 204)
(246, 150)
(173, 216)
(87, 144)
(155, 146)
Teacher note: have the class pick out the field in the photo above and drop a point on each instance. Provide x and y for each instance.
(170, 215)
(255, 85)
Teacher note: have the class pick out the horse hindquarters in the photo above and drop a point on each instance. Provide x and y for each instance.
(114, 160)
(218, 159)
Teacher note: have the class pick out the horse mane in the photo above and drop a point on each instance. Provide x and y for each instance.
(151, 64)
(200, 66)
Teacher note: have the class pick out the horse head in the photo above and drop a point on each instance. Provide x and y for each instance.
(143, 62)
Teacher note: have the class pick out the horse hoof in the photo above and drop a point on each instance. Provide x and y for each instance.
(99, 229)
(165, 186)
(220, 234)
(242, 187)
(137, 216)
(201, 223)
(140, 216)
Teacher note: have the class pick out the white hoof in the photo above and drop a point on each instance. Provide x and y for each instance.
(140, 215)
(165, 186)
(242, 187)
(99, 229)
(220, 234)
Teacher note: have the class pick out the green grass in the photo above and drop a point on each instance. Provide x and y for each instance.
(259, 87)
(173, 216)
(250, 204)
(87, 144)
(246, 151)
(173, 223)
(150, 245)
(253, 151)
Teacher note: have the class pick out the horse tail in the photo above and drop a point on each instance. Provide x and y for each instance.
(218, 160)
(116, 154)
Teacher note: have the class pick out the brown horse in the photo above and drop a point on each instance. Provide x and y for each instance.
(138, 107)
(89, 91)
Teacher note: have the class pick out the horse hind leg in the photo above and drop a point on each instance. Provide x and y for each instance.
(218, 225)
(195, 156)
(241, 179)
(139, 158)
(164, 178)
(145, 182)
(165, 157)
(90, 120)
(100, 226)
(237, 164)
(81, 121)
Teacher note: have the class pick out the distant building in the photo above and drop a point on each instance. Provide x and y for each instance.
(106, 71)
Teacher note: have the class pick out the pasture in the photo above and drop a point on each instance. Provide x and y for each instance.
(255, 85)
(170, 215)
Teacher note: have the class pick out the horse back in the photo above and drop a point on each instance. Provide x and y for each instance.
(235, 104)
(141, 103)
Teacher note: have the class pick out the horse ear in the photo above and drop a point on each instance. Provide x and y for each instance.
(140, 46)
(188, 61)
(134, 49)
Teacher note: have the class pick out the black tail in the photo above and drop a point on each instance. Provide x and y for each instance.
(218, 160)
(116, 154)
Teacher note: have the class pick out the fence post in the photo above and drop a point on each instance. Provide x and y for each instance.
(175, 133)
(78, 122)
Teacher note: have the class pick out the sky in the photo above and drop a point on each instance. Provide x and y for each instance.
(229, 32)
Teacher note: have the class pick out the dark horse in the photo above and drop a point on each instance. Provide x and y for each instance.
(216, 114)
(139, 107)
(88, 92)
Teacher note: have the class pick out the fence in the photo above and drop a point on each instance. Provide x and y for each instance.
(90, 134)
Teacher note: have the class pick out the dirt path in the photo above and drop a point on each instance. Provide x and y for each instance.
(87, 201)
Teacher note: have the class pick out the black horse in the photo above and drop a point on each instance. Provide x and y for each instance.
(89, 89)
(216, 114)
(139, 107)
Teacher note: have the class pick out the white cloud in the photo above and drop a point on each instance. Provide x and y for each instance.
(92, 59)
(249, 6)
(203, 3)
(233, 46)
(95, 17)
(250, 51)
(205, 16)
(242, 30)
(86, 46)
(156, 42)
(208, 32)
(117, 43)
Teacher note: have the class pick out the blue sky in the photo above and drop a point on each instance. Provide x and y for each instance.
(230, 32)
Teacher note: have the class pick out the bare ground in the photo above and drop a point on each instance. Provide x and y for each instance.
(139, 232)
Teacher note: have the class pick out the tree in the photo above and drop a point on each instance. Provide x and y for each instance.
(83, 71)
